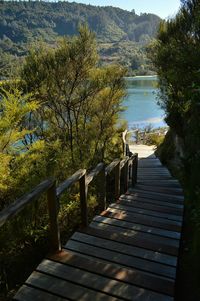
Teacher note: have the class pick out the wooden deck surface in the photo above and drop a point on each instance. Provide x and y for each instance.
(128, 252)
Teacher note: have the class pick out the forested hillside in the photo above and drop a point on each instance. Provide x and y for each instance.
(118, 32)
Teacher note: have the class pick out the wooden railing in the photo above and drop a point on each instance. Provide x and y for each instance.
(125, 171)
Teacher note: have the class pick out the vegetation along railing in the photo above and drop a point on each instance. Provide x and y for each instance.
(125, 172)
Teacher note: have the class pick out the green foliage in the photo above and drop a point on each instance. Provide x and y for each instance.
(62, 116)
(176, 56)
(24, 23)
(155, 139)
(80, 102)
(177, 59)
(50, 19)
(14, 107)
(166, 149)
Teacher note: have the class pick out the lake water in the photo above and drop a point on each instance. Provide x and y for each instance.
(141, 103)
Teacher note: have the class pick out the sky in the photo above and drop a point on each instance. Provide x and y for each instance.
(162, 8)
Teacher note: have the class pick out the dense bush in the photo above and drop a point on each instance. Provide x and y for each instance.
(177, 59)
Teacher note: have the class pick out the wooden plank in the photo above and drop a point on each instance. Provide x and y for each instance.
(156, 164)
(156, 195)
(151, 171)
(174, 191)
(137, 227)
(165, 241)
(156, 206)
(115, 271)
(28, 293)
(145, 211)
(161, 182)
(128, 237)
(100, 283)
(153, 221)
(144, 199)
(153, 177)
(122, 259)
(65, 289)
(149, 255)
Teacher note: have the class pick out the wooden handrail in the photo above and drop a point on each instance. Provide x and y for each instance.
(16, 207)
(111, 166)
(94, 173)
(70, 181)
(124, 161)
(84, 180)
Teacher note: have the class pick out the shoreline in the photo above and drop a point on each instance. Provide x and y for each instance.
(141, 76)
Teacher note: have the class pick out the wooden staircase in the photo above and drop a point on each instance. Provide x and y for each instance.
(128, 252)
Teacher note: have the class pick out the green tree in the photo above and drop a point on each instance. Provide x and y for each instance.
(176, 56)
(80, 101)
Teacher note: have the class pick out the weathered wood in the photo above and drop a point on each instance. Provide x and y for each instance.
(123, 162)
(28, 293)
(115, 271)
(70, 181)
(147, 220)
(123, 259)
(99, 174)
(124, 141)
(117, 234)
(101, 188)
(129, 252)
(146, 211)
(94, 173)
(125, 249)
(21, 203)
(145, 199)
(137, 227)
(157, 195)
(166, 190)
(112, 287)
(53, 216)
(142, 204)
(83, 201)
(64, 288)
(124, 166)
(134, 169)
(111, 166)
(162, 183)
(117, 180)
(163, 241)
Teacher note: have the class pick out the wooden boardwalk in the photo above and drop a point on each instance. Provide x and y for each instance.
(128, 252)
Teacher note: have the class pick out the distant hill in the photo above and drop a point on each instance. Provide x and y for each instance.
(21, 23)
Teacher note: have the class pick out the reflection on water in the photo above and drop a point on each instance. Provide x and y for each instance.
(141, 103)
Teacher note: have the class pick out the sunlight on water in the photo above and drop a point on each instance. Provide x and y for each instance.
(141, 103)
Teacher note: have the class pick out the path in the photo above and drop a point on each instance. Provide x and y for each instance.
(128, 252)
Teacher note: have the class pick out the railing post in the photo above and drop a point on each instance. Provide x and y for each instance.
(101, 187)
(134, 169)
(126, 171)
(117, 181)
(53, 216)
(83, 201)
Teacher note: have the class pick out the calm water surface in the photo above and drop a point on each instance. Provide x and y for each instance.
(141, 103)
